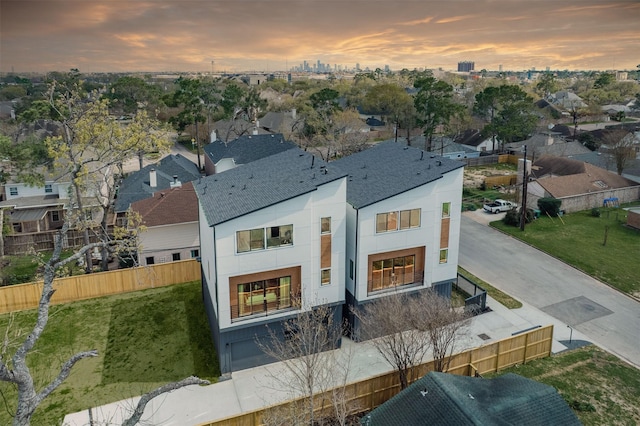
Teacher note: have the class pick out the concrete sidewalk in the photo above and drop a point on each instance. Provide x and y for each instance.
(254, 388)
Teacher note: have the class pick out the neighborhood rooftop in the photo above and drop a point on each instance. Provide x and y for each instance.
(389, 169)
(448, 399)
(247, 148)
(261, 184)
(137, 185)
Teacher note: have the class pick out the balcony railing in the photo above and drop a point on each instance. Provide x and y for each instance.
(392, 281)
(262, 306)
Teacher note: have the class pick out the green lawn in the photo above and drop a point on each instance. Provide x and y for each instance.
(144, 339)
(599, 387)
(501, 297)
(578, 239)
(27, 268)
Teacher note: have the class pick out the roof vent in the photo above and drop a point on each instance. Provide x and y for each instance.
(439, 163)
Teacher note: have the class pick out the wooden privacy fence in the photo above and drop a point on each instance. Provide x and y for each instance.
(500, 180)
(365, 395)
(68, 289)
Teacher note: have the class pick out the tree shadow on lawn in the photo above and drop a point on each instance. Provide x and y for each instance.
(159, 338)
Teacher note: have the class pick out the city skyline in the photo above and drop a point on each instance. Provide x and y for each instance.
(277, 35)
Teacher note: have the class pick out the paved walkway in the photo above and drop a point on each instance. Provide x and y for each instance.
(251, 389)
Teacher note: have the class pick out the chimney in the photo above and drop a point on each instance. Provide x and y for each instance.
(153, 180)
(176, 183)
(293, 113)
(549, 140)
(213, 137)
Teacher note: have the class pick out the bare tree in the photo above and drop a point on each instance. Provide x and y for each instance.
(312, 370)
(442, 323)
(146, 398)
(620, 143)
(404, 327)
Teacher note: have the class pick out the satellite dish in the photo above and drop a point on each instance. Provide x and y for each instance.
(550, 126)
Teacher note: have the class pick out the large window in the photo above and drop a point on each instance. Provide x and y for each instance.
(386, 222)
(250, 240)
(13, 190)
(55, 216)
(261, 297)
(444, 256)
(392, 272)
(279, 236)
(254, 239)
(48, 188)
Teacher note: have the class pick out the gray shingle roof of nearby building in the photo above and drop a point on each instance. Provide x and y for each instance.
(248, 148)
(136, 186)
(262, 183)
(388, 169)
(447, 399)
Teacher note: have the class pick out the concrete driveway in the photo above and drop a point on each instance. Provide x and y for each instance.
(605, 316)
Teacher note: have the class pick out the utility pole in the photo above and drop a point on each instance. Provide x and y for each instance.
(525, 178)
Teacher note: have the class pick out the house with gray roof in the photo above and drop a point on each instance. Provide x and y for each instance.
(403, 223)
(272, 241)
(220, 156)
(442, 399)
(164, 174)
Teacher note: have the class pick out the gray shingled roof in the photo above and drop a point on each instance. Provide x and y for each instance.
(262, 183)
(451, 400)
(389, 169)
(136, 187)
(247, 148)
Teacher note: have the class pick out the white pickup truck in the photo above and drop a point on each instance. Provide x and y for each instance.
(499, 206)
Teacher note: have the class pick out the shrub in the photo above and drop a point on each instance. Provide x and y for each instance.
(550, 206)
(512, 217)
(595, 212)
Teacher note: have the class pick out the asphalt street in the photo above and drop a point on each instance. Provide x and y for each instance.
(604, 315)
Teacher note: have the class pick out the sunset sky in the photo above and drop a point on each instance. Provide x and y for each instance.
(270, 35)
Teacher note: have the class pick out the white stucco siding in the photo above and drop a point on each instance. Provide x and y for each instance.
(350, 253)
(304, 213)
(207, 255)
(429, 198)
(449, 190)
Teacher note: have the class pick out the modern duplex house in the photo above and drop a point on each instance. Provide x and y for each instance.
(403, 223)
(272, 244)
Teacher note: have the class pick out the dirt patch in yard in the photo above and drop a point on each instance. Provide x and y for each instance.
(474, 176)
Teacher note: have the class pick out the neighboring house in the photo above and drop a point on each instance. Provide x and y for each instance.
(547, 144)
(272, 237)
(443, 146)
(566, 100)
(167, 173)
(579, 185)
(170, 218)
(220, 156)
(281, 122)
(451, 400)
(228, 130)
(403, 222)
(474, 139)
(35, 209)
